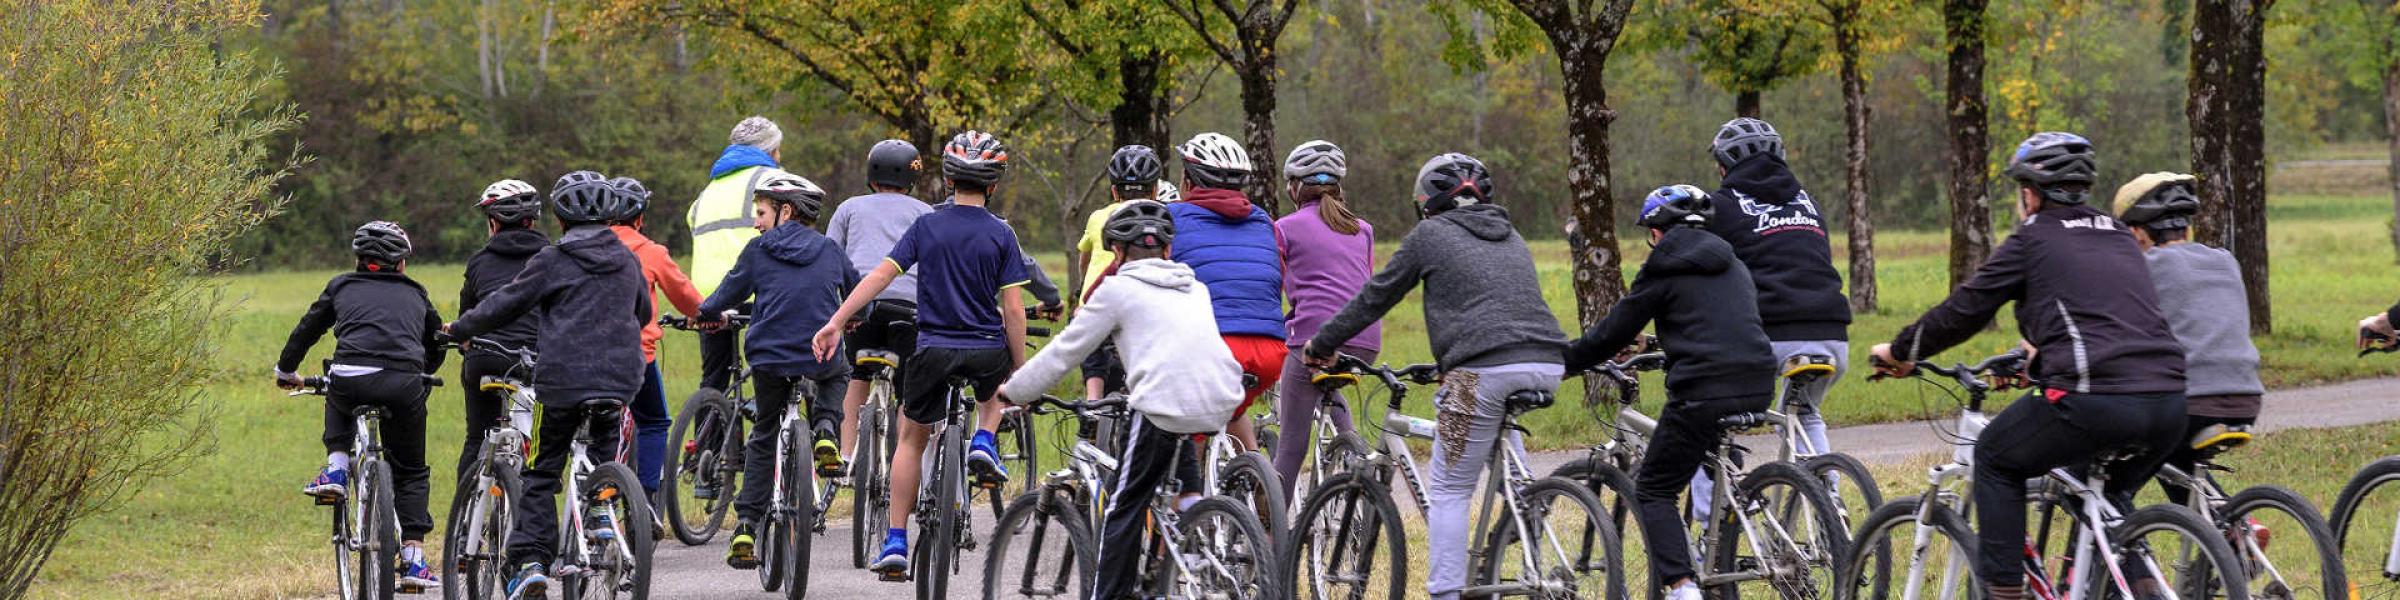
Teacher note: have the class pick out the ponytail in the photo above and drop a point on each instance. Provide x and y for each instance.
(1331, 208)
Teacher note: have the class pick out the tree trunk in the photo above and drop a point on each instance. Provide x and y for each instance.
(483, 48)
(541, 52)
(2391, 122)
(2227, 109)
(1141, 113)
(1745, 104)
(1970, 219)
(1854, 113)
(1258, 126)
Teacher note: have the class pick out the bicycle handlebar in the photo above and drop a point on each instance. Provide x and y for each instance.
(1396, 380)
(1048, 404)
(2008, 367)
(2373, 342)
(316, 386)
(732, 319)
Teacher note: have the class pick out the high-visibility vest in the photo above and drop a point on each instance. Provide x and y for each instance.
(721, 227)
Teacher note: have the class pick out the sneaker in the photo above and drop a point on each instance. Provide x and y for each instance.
(416, 577)
(829, 460)
(530, 582)
(983, 457)
(743, 552)
(599, 527)
(1687, 591)
(330, 486)
(894, 559)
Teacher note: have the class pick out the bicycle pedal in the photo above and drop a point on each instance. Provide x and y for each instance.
(408, 589)
(892, 576)
(326, 500)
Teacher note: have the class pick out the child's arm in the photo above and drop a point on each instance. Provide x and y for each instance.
(1039, 284)
(1012, 321)
(312, 327)
(1381, 293)
(433, 339)
(510, 301)
(678, 286)
(466, 290)
(1618, 330)
(828, 340)
(1093, 323)
(737, 286)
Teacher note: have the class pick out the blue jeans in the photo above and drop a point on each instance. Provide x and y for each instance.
(650, 422)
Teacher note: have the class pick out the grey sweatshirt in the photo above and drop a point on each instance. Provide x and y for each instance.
(867, 226)
(2200, 292)
(1483, 298)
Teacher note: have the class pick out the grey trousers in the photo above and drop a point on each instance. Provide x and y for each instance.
(1469, 426)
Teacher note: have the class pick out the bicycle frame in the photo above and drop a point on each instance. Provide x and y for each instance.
(580, 465)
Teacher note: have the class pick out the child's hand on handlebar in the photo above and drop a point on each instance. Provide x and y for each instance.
(2375, 330)
(287, 380)
(1887, 366)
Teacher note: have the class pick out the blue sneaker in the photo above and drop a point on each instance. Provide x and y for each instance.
(983, 457)
(530, 582)
(893, 561)
(415, 576)
(330, 486)
(599, 527)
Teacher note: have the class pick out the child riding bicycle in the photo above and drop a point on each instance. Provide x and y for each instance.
(1230, 244)
(1719, 362)
(1181, 379)
(383, 329)
(593, 304)
(649, 406)
(866, 227)
(1490, 331)
(2200, 293)
(1328, 253)
(511, 210)
(798, 277)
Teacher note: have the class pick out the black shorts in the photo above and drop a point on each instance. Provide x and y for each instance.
(878, 333)
(925, 379)
(1103, 364)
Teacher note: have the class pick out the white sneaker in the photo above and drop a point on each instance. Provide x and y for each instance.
(1687, 591)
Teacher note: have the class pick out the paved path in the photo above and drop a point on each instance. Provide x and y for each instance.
(700, 572)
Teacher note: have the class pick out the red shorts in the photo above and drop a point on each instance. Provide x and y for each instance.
(1261, 358)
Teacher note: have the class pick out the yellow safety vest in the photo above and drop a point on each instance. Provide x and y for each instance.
(721, 227)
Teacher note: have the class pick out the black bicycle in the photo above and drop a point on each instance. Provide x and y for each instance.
(705, 473)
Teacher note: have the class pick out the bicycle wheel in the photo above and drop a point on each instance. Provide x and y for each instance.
(2171, 547)
(1943, 567)
(378, 530)
(1227, 552)
(345, 574)
(1250, 479)
(869, 498)
(1793, 524)
(939, 547)
(1018, 455)
(2366, 526)
(620, 567)
(1615, 490)
(799, 513)
(1855, 494)
(1567, 550)
(1348, 543)
(478, 570)
(1042, 548)
(2311, 569)
(699, 486)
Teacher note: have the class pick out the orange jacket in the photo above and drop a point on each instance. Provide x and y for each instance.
(659, 269)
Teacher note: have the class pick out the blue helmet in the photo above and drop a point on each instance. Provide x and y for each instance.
(1677, 205)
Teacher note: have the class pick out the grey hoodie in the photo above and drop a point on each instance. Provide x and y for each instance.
(2200, 293)
(593, 304)
(1483, 298)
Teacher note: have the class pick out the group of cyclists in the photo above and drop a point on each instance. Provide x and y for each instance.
(1198, 302)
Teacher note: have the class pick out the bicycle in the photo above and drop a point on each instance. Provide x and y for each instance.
(1214, 549)
(1349, 523)
(797, 502)
(944, 498)
(605, 541)
(871, 454)
(2359, 502)
(366, 525)
(2236, 515)
(1061, 518)
(1931, 526)
(707, 463)
(483, 509)
(1246, 475)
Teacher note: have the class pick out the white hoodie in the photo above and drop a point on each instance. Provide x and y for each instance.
(1179, 373)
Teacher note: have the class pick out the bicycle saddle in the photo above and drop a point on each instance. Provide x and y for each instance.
(2216, 439)
(878, 358)
(1745, 421)
(1809, 365)
(494, 383)
(1333, 381)
(1525, 400)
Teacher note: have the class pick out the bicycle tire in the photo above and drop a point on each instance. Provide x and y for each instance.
(1595, 534)
(1032, 516)
(1230, 535)
(705, 408)
(2332, 582)
(769, 548)
(345, 573)
(938, 548)
(800, 492)
(2367, 569)
(867, 491)
(1825, 548)
(379, 543)
(1879, 528)
(1614, 488)
(613, 485)
(2217, 558)
(1841, 475)
(1018, 455)
(1250, 478)
(479, 573)
(1363, 514)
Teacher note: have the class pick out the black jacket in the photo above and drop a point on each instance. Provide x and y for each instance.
(2084, 299)
(1707, 315)
(1777, 231)
(380, 320)
(491, 269)
(593, 303)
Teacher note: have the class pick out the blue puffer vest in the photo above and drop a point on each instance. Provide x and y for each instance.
(1230, 245)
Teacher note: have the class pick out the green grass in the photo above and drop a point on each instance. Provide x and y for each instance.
(231, 525)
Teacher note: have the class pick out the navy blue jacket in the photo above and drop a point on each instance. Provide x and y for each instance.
(799, 277)
(593, 303)
(1231, 245)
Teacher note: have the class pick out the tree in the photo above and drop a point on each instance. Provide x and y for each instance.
(1118, 57)
(1970, 138)
(1849, 21)
(1751, 46)
(2383, 19)
(1255, 26)
(2228, 113)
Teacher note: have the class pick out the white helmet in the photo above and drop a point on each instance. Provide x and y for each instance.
(1167, 193)
(803, 195)
(1213, 160)
(1316, 159)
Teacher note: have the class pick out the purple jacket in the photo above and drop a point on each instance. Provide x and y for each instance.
(1322, 270)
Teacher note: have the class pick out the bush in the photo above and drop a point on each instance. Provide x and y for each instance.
(131, 152)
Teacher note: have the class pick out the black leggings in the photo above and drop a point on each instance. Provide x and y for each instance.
(823, 418)
(536, 538)
(1148, 454)
(402, 396)
(2051, 429)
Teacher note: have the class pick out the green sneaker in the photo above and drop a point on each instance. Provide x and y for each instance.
(829, 460)
(742, 553)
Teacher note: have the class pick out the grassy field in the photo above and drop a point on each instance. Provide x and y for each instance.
(230, 525)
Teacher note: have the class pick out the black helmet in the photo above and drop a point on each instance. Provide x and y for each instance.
(2059, 165)
(1742, 138)
(894, 163)
(1677, 206)
(2158, 201)
(1213, 160)
(975, 159)
(1451, 181)
(1135, 169)
(380, 241)
(805, 198)
(510, 201)
(631, 199)
(582, 197)
(1140, 223)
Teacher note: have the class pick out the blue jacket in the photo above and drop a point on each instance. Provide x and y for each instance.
(737, 157)
(799, 277)
(1230, 245)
